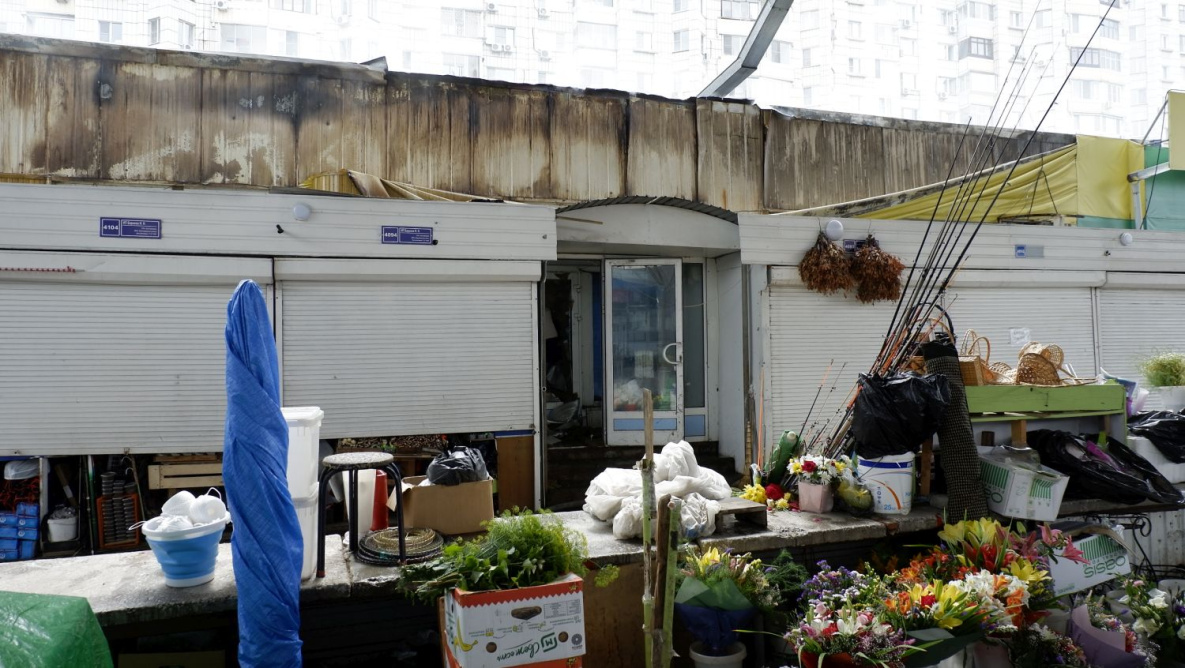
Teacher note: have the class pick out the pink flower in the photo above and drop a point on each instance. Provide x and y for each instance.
(1072, 553)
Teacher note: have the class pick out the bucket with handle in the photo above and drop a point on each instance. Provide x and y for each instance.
(187, 556)
(890, 479)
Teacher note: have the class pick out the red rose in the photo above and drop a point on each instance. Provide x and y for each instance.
(928, 600)
(809, 466)
(774, 491)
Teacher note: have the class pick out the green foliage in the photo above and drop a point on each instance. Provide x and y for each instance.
(1164, 369)
(606, 575)
(522, 550)
(786, 576)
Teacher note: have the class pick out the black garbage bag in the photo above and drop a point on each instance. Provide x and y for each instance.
(1165, 429)
(457, 466)
(1091, 476)
(895, 413)
(1160, 489)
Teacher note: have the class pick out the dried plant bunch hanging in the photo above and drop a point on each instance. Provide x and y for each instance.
(826, 268)
(877, 273)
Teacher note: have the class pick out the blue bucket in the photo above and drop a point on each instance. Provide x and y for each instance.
(187, 557)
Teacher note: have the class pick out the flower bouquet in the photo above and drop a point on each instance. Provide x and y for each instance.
(1105, 640)
(719, 593)
(815, 477)
(850, 635)
(1160, 618)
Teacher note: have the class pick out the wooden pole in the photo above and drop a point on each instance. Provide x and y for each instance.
(646, 466)
(671, 539)
(662, 546)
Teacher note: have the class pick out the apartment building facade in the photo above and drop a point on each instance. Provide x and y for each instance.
(944, 60)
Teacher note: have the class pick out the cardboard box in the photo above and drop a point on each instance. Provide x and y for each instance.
(1022, 491)
(449, 509)
(1108, 560)
(537, 626)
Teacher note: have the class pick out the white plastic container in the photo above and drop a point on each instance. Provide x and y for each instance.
(63, 530)
(366, 482)
(891, 481)
(1144, 448)
(304, 437)
(306, 516)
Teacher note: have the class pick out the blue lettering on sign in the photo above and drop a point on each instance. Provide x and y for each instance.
(130, 228)
(409, 236)
(1020, 250)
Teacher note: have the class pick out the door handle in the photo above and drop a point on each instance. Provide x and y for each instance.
(678, 353)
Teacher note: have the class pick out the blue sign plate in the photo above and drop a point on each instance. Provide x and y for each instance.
(409, 236)
(130, 228)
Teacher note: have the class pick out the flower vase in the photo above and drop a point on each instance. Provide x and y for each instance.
(815, 498)
(1172, 397)
(734, 656)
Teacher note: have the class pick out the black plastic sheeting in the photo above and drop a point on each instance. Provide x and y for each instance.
(1118, 476)
(895, 413)
(457, 466)
(1165, 429)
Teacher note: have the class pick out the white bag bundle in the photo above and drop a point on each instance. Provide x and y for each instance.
(628, 521)
(712, 485)
(698, 516)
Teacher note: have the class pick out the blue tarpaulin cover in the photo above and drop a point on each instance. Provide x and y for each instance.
(266, 544)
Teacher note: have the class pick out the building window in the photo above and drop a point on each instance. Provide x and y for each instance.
(977, 10)
(682, 41)
(596, 35)
(1181, 13)
(854, 67)
(1140, 96)
(50, 25)
(1082, 89)
(1109, 29)
(855, 30)
(732, 44)
(744, 10)
(947, 17)
(952, 52)
(304, 6)
(594, 77)
(645, 82)
(909, 82)
(503, 36)
(780, 51)
(111, 33)
(806, 58)
(1166, 73)
(1166, 43)
(460, 65)
(809, 20)
(291, 43)
(911, 114)
(884, 34)
(501, 74)
(1182, 43)
(238, 38)
(808, 96)
(682, 5)
(460, 22)
(946, 86)
(185, 34)
(345, 7)
(644, 41)
(1164, 10)
(1016, 20)
(154, 31)
(975, 47)
(1044, 18)
(909, 47)
(876, 68)
(1108, 60)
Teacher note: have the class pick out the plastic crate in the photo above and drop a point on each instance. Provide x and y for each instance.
(304, 442)
(27, 549)
(9, 555)
(7, 518)
(19, 533)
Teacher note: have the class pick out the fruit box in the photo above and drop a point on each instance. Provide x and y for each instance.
(1108, 560)
(1022, 491)
(538, 626)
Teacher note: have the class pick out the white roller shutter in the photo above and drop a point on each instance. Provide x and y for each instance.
(1058, 315)
(91, 367)
(806, 331)
(399, 354)
(1136, 322)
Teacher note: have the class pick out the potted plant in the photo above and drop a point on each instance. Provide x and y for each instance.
(815, 478)
(1166, 372)
(719, 594)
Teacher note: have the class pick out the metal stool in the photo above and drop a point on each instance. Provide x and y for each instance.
(351, 463)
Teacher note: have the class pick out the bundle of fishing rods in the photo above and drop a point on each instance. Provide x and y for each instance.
(920, 306)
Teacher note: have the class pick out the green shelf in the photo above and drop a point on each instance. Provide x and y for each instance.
(1011, 403)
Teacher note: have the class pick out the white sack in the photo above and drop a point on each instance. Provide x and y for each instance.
(628, 522)
(602, 506)
(712, 485)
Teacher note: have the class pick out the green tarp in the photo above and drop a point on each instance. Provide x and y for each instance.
(50, 631)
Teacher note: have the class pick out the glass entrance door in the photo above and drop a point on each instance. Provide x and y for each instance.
(644, 337)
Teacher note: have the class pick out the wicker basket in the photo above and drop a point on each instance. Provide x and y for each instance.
(974, 355)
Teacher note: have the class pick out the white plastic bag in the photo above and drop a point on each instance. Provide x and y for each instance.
(711, 485)
(680, 487)
(682, 450)
(602, 506)
(616, 482)
(698, 516)
(628, 521)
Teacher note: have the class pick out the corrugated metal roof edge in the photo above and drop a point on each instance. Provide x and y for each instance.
(677, 202)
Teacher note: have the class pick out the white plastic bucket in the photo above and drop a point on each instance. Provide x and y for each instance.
(304, 438)
(890, 479)
(63, 530)
(306, 516)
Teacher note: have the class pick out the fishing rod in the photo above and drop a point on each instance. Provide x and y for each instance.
(817, 393)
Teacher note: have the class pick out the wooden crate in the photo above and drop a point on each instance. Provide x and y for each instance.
(185, 475)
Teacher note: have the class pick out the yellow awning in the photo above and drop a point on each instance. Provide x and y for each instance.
(349, 182)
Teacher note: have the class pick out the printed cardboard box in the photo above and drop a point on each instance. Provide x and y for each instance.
(537, 626)
(1108, 560)
(1022, 492)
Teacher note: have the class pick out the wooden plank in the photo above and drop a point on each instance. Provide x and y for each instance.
(196, 457)
(516, 472)
(588, 155)
(743, 510)
(613, 619)
(1028, 399)
(511, 144)
(189, 469)
(271, 130)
